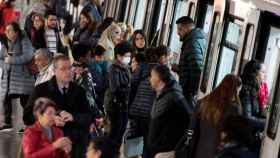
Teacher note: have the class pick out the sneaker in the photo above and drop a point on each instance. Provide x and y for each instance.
(6, 128)
(20, 131)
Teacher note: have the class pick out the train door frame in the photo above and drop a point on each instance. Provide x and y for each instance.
(216, 28)
(269, 21)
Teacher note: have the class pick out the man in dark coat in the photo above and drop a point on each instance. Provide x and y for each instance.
(74, 115)
(169, 109)
(191, 58)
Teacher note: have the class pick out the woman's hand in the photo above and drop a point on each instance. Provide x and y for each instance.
(62, 143)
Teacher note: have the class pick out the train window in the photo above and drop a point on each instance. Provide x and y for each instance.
(174, 41)
(191, 9)
(275, 114)
(140, 14)
(162, 14)
(229, 50)
(210, 52)
(208, 17)
(272, 57)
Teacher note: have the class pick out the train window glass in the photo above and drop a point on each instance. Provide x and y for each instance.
(174, 42)
(208, 17)
(272, 57)
(191, 9)
(229, 50)
(274, 117)
(210, 53)
(233, 34)
(226, 63)
(161, 15)
(140, 14)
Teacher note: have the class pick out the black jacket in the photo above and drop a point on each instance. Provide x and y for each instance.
(75, 103)
(144, 95)
(169, 119)
(83, 36)
(236, 151)
(117, 95)
(251, 109)
(191, 61)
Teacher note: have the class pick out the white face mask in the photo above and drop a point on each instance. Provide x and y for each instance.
(126, 60)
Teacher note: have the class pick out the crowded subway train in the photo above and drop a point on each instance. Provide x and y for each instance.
(236, 32)
(129, 60)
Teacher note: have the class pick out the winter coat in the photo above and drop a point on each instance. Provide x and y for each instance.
(169, 109)
(206, 136)
(251, 108)
(36, 144)
(236, 151)
(82, 36)
(143, 101)
(74, 102)
(117, 95)
(263, 96)
(16, 78)
(191, 61)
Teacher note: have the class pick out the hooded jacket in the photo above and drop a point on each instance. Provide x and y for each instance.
(169, 118)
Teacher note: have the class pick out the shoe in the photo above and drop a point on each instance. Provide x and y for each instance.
(6, 128)
(20, 131)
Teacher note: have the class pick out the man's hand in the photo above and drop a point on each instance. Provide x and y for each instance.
(66, 116)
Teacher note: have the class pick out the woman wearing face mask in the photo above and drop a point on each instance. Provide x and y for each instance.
(109, 39)
(139, 41)
(117, 95)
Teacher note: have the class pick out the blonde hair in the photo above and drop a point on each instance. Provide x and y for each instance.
(106, 40)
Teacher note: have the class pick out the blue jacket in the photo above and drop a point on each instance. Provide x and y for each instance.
(191, 61)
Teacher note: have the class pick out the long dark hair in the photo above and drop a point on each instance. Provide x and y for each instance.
(92, 23)
(17, 29)
(136, 32)
(250, 73)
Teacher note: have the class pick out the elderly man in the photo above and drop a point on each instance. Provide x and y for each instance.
(43, 61)
(74, 114)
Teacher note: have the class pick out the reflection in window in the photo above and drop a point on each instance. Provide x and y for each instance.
(247, 53)
(208, 17)
(229, 50)
(233, 34)
(140, 14)
(275, 114)
(226, 63)
(161, 15)
(174, 42)
(210, 53)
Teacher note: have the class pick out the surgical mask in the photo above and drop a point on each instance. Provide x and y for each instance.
(126, 60)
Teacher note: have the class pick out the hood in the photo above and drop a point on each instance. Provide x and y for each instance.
(172, 86)
(194, 34)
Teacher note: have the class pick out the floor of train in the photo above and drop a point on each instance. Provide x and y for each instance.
(10, 141)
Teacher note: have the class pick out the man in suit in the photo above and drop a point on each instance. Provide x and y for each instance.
(74, 115)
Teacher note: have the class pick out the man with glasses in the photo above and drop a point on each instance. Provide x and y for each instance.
(74, 115)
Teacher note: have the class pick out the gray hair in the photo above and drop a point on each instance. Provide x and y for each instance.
(46, 53)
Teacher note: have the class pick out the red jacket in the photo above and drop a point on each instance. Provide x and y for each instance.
(8, 15)
(263, 95)
(36, 144)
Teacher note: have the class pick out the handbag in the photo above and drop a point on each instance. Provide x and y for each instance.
(183, 148)
(133, 142)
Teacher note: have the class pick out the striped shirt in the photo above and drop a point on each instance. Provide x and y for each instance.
(51, 40)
